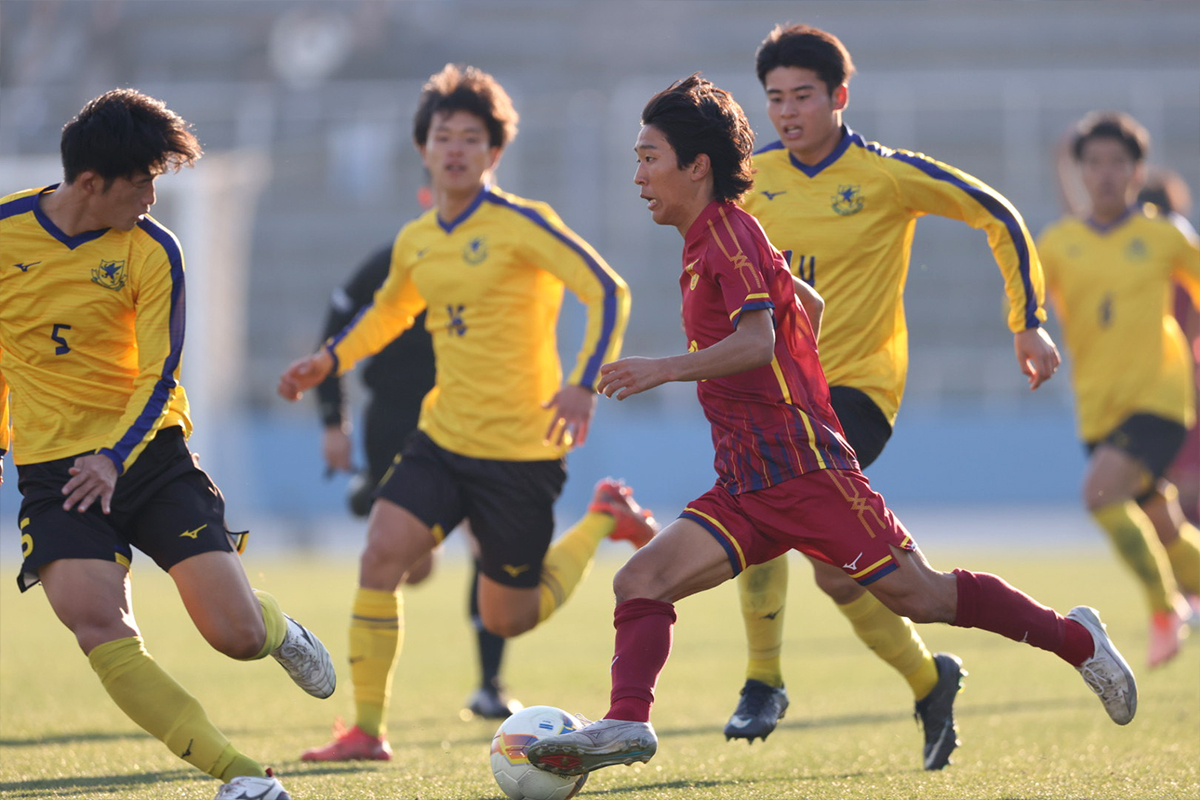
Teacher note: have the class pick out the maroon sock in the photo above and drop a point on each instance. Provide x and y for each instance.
(643, 642)
(991, 604)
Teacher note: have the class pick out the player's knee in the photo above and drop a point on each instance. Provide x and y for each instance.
(238, 641)
(509, 625)
(636, 580)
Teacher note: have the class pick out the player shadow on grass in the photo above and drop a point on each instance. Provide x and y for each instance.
(96, 786)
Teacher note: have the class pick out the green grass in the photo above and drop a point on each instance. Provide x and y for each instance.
(1029, 726)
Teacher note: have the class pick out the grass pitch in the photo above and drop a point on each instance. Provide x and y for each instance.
(1029, 726)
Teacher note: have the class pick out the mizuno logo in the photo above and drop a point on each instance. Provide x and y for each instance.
(772, 195)
(188, 750)
(853, 564)
(514, 571)
(193, 534)
(25, 267)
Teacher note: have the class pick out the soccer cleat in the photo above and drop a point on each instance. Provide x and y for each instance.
(1106, 672)
(603, 743)
(490, 702)
(1167, 632)
(306, 660)
(1193, 603)
(634, 523)
(936, 711)
(354, 744)
(758, 712)
(250, 787)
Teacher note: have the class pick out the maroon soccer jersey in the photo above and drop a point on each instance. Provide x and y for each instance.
(774, 422)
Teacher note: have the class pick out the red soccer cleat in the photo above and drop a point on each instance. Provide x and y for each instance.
(633, 523)
(354, 744)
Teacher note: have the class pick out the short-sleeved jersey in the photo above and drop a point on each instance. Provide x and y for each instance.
(1111, 288)
(849, 221)
(492, 281)
(774, 422)
(91, 334)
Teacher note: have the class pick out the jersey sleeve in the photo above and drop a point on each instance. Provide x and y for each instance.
(562, 253)
(927, 186)
(159, 319)
(345, 303)
(736, 262)
(392, 310)
(1186, 270)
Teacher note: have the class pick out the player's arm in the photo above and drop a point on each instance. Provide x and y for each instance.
(391, 312)
(344, 304)
(751, 345)
(812, 303)
(1186, 271)
(605, 295)
(931, 187)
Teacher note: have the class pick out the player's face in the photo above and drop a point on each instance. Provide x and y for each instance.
(666, 188)
(805, 115)
(1109, 173)
(457, 153)
(125, 201)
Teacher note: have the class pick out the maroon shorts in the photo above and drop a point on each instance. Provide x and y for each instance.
(831, 514)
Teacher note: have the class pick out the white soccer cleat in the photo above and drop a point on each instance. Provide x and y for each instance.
(306, 660)
(247, 787)
(603, 743)
(1106, 672)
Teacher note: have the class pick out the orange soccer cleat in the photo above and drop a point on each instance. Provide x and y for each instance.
(352, 744)
(634, 523)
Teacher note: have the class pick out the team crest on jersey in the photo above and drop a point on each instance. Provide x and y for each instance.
(110, 275)
(695, 278)
(847, 201)
(476, 251)
(1136, 250)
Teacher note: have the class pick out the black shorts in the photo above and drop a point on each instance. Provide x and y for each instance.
(164, 505)
(866, 427)
(1151, 439)
(510, 504)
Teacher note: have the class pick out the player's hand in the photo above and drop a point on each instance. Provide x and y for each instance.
(93, 478)
(337, 449)
(1037, 355)
(629, 376)
(304, 374)
(573, 407)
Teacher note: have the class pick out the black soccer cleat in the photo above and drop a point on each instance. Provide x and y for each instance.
(936, 711)
(758, 712)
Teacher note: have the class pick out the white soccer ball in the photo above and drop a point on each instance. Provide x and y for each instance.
(519, 779)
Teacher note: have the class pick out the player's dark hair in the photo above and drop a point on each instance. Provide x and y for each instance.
(124, 132)
(696, 117)
(1112, 125)
(464, 88)
(807, 48)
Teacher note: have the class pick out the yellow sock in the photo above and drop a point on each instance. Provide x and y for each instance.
(275, 621)
(894, 639)
(569, 559)
(1184, 555)
(1132, 534)
(376, 635)
(151, 698)
(762, 590)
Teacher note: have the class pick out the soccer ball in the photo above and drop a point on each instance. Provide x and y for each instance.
(519, 779)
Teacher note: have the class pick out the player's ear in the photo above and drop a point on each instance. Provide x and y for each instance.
(700, 167)
(841, 97)
(89, 181)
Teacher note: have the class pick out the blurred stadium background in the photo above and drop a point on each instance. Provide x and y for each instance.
(304, 109)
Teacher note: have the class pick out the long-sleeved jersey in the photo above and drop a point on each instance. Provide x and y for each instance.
(492, 283)
(91, 334)
(849, 221)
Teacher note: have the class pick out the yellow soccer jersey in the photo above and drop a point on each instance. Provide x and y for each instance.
(91, 333)
(849, 224)
(1112, 292)
(493, 283)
